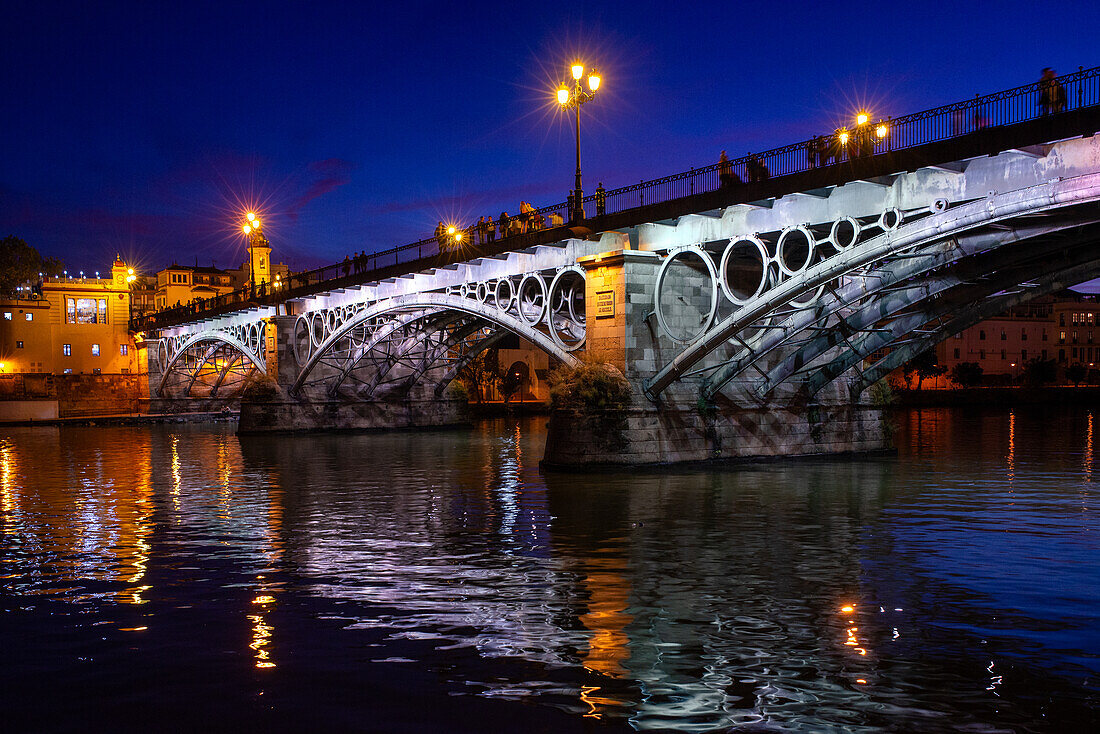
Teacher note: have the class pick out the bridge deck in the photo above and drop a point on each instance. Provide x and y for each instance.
(1010, 129)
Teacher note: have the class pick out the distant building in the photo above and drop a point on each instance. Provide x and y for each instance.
(1063, 328)
(69, 325)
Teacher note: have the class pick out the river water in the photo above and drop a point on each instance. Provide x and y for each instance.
(181, 578)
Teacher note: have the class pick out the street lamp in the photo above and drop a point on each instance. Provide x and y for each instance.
(130, 278)
(255, 236)
(574, 95)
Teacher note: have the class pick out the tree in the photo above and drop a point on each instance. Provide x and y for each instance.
(967, 374)
(925, 365)
(481, 373)
(20, 264)
(1038, 372)
(1076, 373)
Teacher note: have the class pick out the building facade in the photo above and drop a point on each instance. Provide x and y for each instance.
(70, 325)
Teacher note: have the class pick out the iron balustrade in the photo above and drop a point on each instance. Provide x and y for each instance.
(1081, 89)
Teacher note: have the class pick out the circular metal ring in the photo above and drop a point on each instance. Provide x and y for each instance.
(837, 240)
(528, 313)
(786, 237)
(891, 219)
(481, 292)
(504, 303)
(162, 354)
(316, 329)
(302, 346)
(809, 298)
(557, 287)
(938, 206)
(704, 256)
(755, 243)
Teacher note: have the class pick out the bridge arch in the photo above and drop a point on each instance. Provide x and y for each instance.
(189, 356)
(390, 328)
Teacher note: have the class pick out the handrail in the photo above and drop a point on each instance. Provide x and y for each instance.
(1011, 106)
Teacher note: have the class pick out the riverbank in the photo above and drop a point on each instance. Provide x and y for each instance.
(998, 396)
(129, 419)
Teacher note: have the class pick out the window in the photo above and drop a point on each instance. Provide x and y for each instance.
(7, 316)
(981, 335)
(67, 349)
(1061, 319)
(1075, 318)
(1061, 337)
(1023, 355)
(83, 310)
(30, 316)
(95, 350)
(97, 371)
(1023, 335)
(68, 370)
(1061, 355)
(956, 352)
(123, 349)
(19, 345)
(1004, 336)
(1090, 337)
(102, 310)
(1075, 337)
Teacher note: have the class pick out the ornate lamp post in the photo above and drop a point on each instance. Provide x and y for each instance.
(574, 95)
(256, 238)
(130, 278)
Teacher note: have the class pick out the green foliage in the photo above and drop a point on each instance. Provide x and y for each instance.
(1076, 373)
(260, 388)
(1038, 372)
(882, 394)
(599, 394)
(20, 264)
(457, 391)
(967, 374)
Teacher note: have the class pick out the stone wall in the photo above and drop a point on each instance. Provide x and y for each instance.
(79, 395)
(290, 415)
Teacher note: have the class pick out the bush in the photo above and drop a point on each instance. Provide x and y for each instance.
(599, 394)
(260, 388)
(967, 374)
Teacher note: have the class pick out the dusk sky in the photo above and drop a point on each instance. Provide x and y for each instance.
(148, 128)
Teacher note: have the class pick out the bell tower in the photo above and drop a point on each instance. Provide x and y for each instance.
(259, 252)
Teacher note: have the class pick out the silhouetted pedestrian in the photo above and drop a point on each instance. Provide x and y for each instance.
(726, 175)
(504, 223)
(1052, 97)
(490, 229)
(347, 266)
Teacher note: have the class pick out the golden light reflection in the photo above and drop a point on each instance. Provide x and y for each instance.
(1010, 459)
(609, 596)
(9, 489)
(1088, 449)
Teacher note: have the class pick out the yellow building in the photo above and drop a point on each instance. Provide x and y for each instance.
(181, 284)
(70, 325)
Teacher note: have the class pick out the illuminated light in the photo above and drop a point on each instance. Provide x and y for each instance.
(256, 224)
(843, 137)
(848, 608)
(129, 271)
(563, 96)
(578, 71)
(2, 365)
(450, 230)
(251, 217)
(862, 118)
(264, 664)
(861, 651)
(132, 629)
(247, 229)
(881, 131)
(263, 600)
(593, 81)
(458, 237)
(861, 681)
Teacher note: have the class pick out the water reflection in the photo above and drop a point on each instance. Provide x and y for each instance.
(948, 588)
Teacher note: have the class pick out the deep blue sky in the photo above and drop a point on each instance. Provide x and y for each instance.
(145, 128)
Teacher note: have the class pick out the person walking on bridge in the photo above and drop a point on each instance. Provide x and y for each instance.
(725, 171)
(1052, 97)
(490, 229)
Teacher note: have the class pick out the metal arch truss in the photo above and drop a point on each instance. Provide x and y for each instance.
(383, 349)
(212, 362)
(806, 314)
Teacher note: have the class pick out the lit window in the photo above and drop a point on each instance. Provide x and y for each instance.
(7, 316)
(95, 350)
(123, 349)
(102, 310)
(97, 371)
(67, 349)
(30, 316)
(68, 370)
(19, 345)
(81, 310)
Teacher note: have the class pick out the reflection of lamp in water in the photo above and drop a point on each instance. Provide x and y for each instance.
(261, 633)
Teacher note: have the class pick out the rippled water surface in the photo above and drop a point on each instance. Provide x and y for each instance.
(182, 578)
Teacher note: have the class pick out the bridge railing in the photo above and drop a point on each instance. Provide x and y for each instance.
(1012, 106)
